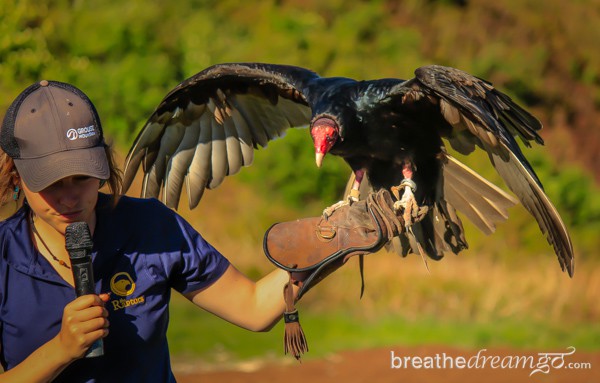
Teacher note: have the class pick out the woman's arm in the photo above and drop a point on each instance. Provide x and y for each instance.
(84, 321)
(256, 306)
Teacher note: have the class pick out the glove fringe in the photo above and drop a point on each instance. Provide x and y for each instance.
(294, 340)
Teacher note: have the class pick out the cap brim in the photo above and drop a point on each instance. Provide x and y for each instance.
(39, 173)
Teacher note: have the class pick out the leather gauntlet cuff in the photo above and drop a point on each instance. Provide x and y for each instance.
(312, 248)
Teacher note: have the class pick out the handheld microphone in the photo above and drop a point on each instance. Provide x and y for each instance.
(78, 242)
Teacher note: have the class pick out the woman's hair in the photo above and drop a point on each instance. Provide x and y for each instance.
(9, 177)
(115, 179)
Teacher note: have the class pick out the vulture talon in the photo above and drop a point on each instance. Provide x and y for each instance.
(350, 199)
(407, 205)
(328, 211)
(396, 192)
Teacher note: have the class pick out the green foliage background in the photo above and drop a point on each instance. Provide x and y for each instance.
(128, 55)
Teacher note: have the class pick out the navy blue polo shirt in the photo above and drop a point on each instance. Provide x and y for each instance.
(141, 250)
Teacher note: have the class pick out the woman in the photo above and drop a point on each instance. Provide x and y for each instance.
(54, 155)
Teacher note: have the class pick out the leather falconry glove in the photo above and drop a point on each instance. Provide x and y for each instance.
(312, 248)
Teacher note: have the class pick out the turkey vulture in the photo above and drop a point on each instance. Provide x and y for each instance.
(390, 130)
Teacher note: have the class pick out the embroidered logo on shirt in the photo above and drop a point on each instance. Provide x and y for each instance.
(123, 285)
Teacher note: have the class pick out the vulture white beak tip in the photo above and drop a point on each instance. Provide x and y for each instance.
(319, 159)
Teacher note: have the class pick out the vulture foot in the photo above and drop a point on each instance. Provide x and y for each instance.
(350, 199)
(407, 204)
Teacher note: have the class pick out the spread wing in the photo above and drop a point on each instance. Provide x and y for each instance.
(208, 127)
(478, 115)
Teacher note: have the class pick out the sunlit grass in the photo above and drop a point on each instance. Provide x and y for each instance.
(195, 334)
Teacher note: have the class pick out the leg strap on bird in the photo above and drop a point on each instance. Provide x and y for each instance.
(312, 248)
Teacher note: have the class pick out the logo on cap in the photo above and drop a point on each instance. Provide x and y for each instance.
(72, 134)
(85, 132)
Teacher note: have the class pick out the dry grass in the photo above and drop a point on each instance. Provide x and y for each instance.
(472, 288)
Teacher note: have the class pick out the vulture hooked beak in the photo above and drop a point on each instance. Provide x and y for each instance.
(325, 133)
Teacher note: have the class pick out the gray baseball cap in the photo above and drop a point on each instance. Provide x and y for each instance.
(52, 131)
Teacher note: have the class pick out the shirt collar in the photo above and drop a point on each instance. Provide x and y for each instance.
(18, 250)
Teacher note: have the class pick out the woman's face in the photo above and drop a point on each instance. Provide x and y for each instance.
(72, 199)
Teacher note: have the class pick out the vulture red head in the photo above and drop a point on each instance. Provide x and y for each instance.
(325, 133)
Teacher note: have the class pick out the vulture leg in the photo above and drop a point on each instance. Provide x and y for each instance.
(407, 204)
(352, 197)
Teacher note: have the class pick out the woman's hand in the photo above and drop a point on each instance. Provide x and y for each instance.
(84, 321)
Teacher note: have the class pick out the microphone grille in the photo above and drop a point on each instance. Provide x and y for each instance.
(77, 236)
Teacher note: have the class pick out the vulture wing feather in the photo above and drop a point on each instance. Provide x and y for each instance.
(250, 104)
(492, 121)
